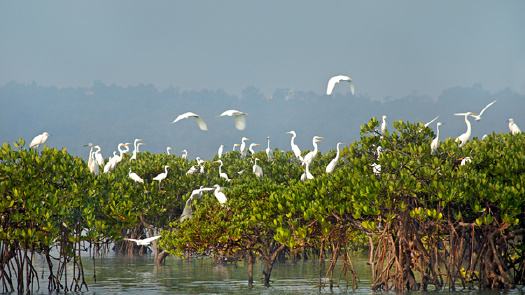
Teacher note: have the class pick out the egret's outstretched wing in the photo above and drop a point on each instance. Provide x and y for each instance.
(431, 121)
(200, 122)
(240, 122)
(486, 107)
(150, 239)
(336, 79)
(184, 116)
(131, 240)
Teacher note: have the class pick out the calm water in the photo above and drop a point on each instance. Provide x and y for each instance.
(139, 275)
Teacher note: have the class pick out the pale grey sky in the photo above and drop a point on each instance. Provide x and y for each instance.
(390, 48)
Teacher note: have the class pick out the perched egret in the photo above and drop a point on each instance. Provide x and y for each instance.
(431, 121)
(110, 165)
(136, 151)
(383, 125)
(465, 161)
(308, 158)
(98, 156)
(168, 150)
(513, 127)
(222, 174)
(306, 174)
(238, 116)
(242, 148)
(257, 170)
(134, 176)
(192, 170)
(330, 168)
(336, 79)
(92, 164)
(200, 122)
(478, 116)
(379, 150)
(162, 175)
(268, 150)
(184, 154)
(121, 151)
(38, 140)
(219, 152)
(376, 168)
(463, 138)
(295, 148)
(435, 142)
(143, 242)
(221, 197)
(250, 148)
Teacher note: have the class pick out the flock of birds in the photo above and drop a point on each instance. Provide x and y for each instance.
(96, 160)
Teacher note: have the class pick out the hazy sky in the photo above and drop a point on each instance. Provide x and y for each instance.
(390, 48)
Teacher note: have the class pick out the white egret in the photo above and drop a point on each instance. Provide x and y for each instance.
(383, 125)
(431, 121)
(336, 79)
(478, 116)
(257, 170)
(121, 151)
(219, 151)
(376, 168)
(268, 150)
(435, 142)
(135, 177)
(379, 150)
(38, 140)
(308, 158)
(110, 165)
(238, 116)
(221, 197)
(330, 168)
(98, 156)
(92, 164)
(465, 161)
(187, 212)
(200, 122)
(222, 174)
(136, 151)
(184, 154)
(192, 170)
(484, 137)
(306, 174)
(168, 150)
(250, 148)
(143, 242)
(295, 148)
(160, 177)
(463, 138)
(513, 127)
(242, 148)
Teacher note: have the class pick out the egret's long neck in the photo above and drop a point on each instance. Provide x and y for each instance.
(337, 152)
(120, 150)
(220, 168)
(90, 152)
(469, 128)
(166, 170)
(292, 141)
(307, 169)
(315, 147)
(268, 143)
(437, 135)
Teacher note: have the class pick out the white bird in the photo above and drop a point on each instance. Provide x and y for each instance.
(295, 148)
(308, 158)
(160, 177)
(257, 170)
(463, 138)
(91, 159)
(242, 148)
(484, 137)
(465, 161)
(435, 142)
(98, 156)
(513, 127)
(383, 125)
(187, 212)
(306, 174)
(121, 151)
(38, 140)
(184, 154)
(221, 197)
(238, 116)
(376, 168)
(330, 168)
(336, 79)
(268, 150)
(431, 121)
(192, 170)
(136, 150)
(250, 148)
(478, 116)
(110, 165)
(222, 174)
(143, 242)
(379, 150)
(219, 152)
(200, 122)
(134, 176)
(168, 150)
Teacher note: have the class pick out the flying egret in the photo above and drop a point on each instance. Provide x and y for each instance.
(383, 125)
(136, 151)
(295, 148)
(250, 148)
(200, 122)
(221, 197)
(268, 150)
(184, 154)
(98, 156)
(431, 121)
(513, 127)
(336, 79)
(242, 148)
(238, 116)
(187, 212)
(478, 116)
(134, 176)
(306, 174)
(308, 158)
(257, 170)
(38, 140)
(435, 142)
(168, 150)
(463, 138)
(465, 161)
(222, 174)
(330, 168)
(143, 242)
(219, 152)
(162, 175)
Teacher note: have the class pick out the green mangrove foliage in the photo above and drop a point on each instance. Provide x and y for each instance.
(425, 220)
